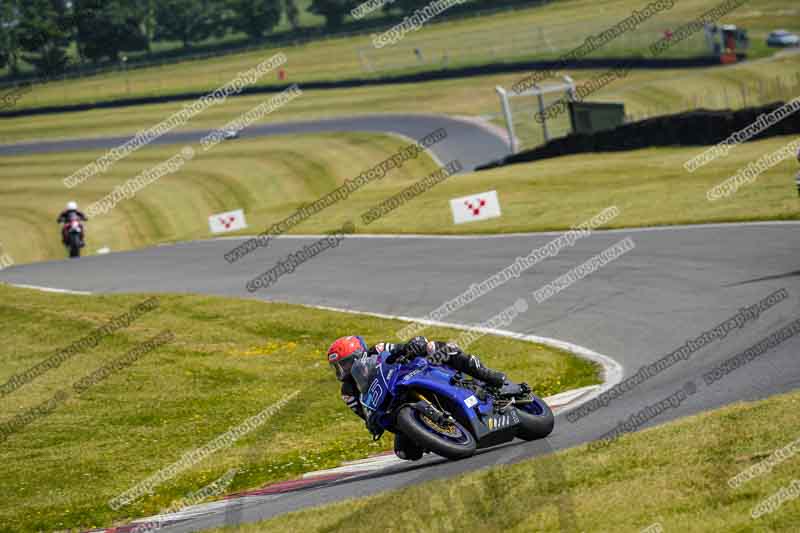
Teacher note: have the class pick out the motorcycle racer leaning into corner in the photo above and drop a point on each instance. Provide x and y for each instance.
(345, 350)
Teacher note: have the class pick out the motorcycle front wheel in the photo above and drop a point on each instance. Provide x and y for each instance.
(74, 245)
(450, 440)
(536, 419)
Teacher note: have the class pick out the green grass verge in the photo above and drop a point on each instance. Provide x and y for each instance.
(675, 475)
(231, 358)
(466, 42)
(268, 178)
(643, 93)
(548, 193)
(271, 178)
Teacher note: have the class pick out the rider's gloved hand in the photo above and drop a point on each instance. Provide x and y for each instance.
(417, 347)
(440, 353)
(374, 426)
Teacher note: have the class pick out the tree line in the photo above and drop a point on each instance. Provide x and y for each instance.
(40, 32)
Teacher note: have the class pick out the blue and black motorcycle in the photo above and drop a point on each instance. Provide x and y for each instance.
(442, 410)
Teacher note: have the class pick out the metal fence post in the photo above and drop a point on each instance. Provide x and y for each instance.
(540, 98)
(512, 140)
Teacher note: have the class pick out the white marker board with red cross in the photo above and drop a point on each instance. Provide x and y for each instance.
(225, 222)
(475, 207)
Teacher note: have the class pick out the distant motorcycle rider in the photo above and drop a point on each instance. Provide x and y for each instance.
(67, 215)
(346, 350)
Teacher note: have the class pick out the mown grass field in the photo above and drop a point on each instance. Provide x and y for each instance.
(642, 92)
(271, 178)
(675, 475)
(338, 58)
(229, 361)
(266, 178)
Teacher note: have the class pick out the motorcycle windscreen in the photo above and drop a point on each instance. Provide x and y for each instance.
(364, 371)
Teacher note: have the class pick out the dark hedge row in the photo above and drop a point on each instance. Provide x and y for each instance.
(692, 128)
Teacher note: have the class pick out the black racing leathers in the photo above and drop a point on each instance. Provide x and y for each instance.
(64, 217)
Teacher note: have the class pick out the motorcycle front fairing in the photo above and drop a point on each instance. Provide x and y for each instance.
(386, 385)
(422, 375)
(74, 223)
(374, 379)
(382, 385)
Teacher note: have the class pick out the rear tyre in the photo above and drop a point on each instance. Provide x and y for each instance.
(453, 441)
(74, 245)
(536, 420)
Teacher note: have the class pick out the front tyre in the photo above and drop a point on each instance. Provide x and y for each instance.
(536, 420)
(74, 245)
(407, 449)
(452, 441)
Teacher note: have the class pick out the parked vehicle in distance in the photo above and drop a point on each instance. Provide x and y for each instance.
(230, 134)
(782, 38)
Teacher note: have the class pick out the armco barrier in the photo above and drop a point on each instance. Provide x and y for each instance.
(691, 128)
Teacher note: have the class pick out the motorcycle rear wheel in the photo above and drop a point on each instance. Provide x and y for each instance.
(453, 441)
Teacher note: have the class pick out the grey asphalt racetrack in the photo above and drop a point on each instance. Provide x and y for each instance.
(677, 283)
(468, 141)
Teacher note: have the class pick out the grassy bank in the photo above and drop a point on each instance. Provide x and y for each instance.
(268, 178)
(230, 359)
(480, 40)
(643, 93)
(271, 178)
(674, 475)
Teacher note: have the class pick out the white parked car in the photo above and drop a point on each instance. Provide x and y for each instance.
(230, 134)
(782, 38)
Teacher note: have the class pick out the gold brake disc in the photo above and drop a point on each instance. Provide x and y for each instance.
(450, 429)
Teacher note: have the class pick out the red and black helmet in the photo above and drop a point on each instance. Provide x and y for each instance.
(343, 353)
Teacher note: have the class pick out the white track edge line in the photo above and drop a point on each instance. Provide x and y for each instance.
(676, 227)
(48, 289)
